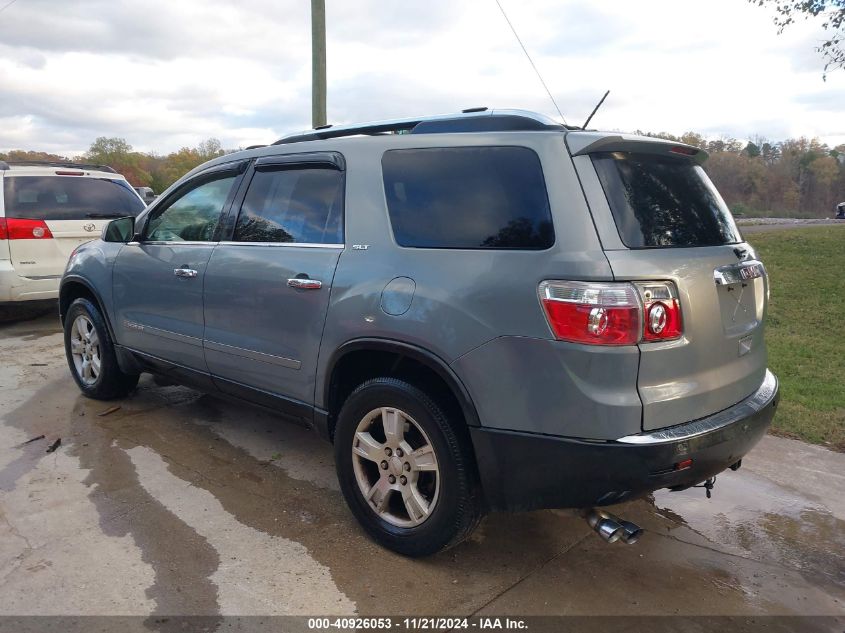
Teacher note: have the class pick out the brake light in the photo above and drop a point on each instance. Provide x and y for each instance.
(594, 313)
(686, 151)
(662, 311)
(611, 313)
(24, 229)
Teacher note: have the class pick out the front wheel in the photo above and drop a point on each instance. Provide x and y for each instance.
(405, 472)
(91, 356)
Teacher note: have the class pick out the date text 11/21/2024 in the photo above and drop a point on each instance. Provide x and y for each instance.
(416, 623)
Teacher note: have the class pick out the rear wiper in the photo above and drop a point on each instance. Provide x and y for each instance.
(103, 215)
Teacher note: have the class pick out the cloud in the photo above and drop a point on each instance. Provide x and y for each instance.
(166, 74)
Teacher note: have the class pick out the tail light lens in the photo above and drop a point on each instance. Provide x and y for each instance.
(611, 313)
(20, 229)
(661, 309)
(595, 313)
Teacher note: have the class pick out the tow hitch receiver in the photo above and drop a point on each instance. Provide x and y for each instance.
(708, 486)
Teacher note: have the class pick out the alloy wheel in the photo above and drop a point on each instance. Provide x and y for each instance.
(85, 350)
(395, 467)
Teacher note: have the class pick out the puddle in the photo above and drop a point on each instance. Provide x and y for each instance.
(30, 454)
(752, 516)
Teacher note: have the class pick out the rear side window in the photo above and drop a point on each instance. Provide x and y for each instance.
(661, 201)
(68, 198)
(467, 197)
(295, 205)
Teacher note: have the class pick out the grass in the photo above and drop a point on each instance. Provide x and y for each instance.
(805, 329)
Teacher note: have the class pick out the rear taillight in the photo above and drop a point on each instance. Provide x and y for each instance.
(596, 313)
(18, 229)
(661, 310)
(611, 313)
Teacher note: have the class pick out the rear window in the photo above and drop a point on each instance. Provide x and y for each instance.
(661, 201)
(467, 197)
(68, 198)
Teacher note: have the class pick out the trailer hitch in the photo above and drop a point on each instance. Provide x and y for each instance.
(708, 486)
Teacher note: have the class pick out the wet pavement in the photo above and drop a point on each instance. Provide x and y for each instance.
(180, 503)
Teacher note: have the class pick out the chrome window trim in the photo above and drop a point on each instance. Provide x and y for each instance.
(283, 361)
(757, 401)
(283, 244)
(172, 243)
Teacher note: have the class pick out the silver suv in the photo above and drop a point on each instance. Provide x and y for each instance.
(482, 311)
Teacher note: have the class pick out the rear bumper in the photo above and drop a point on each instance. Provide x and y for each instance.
(14, 288)
(523, 471)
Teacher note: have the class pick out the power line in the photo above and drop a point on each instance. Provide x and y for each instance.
(531, 61)
(7, 5)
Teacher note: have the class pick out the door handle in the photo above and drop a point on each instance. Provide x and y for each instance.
(185, 272)
(305, 284)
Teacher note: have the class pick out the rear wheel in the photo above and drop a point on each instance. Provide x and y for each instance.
(406, 474)
(91, 356)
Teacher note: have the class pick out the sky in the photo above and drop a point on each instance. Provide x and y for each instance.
(166, 74)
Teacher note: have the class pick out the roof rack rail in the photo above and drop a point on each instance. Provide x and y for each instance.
(471, 120)
(58, 163)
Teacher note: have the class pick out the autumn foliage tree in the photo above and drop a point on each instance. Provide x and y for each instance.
(118, 154)
(797, 177)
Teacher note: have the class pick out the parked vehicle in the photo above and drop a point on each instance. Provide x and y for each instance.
(146, 194)
(482, 311)
(47, 210)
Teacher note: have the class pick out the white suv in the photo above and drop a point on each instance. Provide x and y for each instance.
(46, 211)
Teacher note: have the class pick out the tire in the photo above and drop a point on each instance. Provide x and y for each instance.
(438, 504)
(87, 334)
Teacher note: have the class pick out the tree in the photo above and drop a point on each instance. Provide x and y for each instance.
(118, 154)
(833, 14)
(169, 169)
(18, 154)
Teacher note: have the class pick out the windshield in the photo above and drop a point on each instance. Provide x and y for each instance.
(662, 201)
(69, 198)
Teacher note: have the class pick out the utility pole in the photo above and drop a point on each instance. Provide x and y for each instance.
(318, 63)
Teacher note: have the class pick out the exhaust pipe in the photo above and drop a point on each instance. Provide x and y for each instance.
(631, 532)
(611, 528)
(605, 527)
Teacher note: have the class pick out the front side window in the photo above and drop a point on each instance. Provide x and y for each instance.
(467, 197)
(193, 215)
(293, 205)
(662, 201)
(69, 198)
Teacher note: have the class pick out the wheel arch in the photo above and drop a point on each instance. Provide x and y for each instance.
(73, 287)
(360, 359)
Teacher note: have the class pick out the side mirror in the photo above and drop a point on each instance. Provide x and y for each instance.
(119, 230)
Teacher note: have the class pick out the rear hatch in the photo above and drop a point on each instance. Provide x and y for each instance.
(661, 219)
(50, 213)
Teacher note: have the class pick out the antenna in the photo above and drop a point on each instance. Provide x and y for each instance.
(596, 109)
(531, 61)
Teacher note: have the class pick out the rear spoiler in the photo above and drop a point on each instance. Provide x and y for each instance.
(581, 143)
